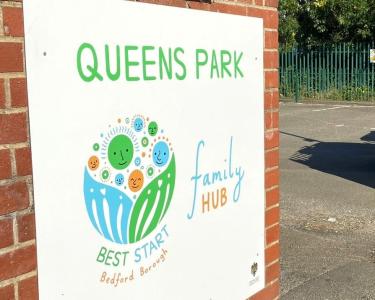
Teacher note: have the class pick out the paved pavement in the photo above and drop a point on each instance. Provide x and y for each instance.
(327, 202)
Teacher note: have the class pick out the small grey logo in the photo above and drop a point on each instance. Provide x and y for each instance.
(254, 268)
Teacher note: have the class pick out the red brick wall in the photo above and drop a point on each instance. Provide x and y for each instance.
(17, 225)
(18, 275)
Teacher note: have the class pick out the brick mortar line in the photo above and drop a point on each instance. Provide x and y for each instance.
(15, 231)
(271, 130)
(270, 70)
(272, 282)
(15, 180)
(272, 149)
(272, 127)
(1, 23)
(271, 50)
(271, 29)
(272, 263)
(15, 146)
(10, 4)
(7, 93)
(17, 247)
(16, 294)
(11, 39)
(268, 170)
(272, 244)
(27, 124)
(30, 188)
(24, 65)
(16, 214)
(267, 28)
(271, 110)
(13, 162)
(272, 225)
(266, 209)
(276, 128)
(242, 4)
(19, 278)
(7, 282)
(272, 207)
(271, 89)
(274, 187)
(14, 110)
(11, 75)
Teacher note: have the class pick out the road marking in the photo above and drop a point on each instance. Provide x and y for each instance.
(340, 125)
(331, 108)
(362, 106)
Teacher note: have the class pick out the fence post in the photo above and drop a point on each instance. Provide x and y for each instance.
(296, 86)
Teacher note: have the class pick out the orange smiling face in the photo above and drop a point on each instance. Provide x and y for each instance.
(135, 180)
(93, 162)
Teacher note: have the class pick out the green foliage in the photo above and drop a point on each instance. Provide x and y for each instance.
(309, 23)
(353, 93)
(288, 26)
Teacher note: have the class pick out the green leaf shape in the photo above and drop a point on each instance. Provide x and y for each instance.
(157, 193)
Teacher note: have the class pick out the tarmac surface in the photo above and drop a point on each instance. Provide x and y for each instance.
(327, 162)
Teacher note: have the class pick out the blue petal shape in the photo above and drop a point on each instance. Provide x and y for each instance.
(97, 193)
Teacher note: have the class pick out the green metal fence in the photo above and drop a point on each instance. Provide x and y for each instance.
(337, 72)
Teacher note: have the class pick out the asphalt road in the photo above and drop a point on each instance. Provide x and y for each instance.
(327, 202)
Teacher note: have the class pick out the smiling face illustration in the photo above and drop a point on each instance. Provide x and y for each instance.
(138, 124)
(93, 162)
(119, 179)
(135, 180)
(153, 128)
(160, 154)
(120, 152)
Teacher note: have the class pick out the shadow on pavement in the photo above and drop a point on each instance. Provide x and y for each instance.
(370, 137)
(351, 161)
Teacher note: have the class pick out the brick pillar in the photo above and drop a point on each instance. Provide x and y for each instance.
(18, 275)
(17, 225)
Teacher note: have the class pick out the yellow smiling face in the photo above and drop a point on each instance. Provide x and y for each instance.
(135, 180)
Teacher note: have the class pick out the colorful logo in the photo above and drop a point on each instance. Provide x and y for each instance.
(129, 179)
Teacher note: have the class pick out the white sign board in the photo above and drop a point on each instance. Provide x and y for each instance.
(148, 150)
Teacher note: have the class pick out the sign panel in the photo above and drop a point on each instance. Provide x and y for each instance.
(148, 150)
